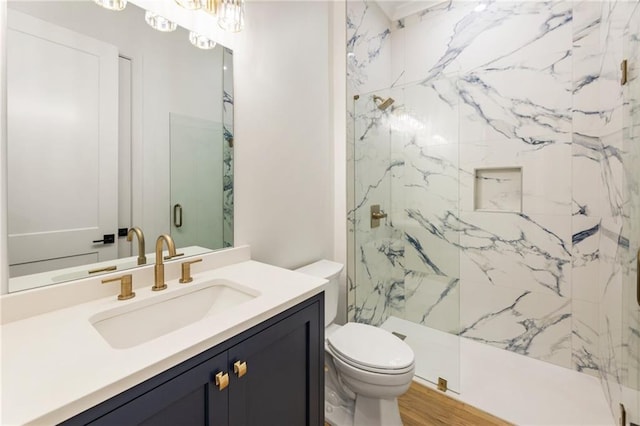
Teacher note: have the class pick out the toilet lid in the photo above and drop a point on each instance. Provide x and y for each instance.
(371, 347)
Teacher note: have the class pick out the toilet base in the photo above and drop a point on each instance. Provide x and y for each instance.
(376, 412)
(361, 412)
(338, 415)
(338, 408)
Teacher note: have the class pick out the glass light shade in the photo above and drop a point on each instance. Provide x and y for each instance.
(200, 41)
(112, 4)
(159, 23)
(190, 4)
(231, 15)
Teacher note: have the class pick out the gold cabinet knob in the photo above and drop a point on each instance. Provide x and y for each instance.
(222, 380)
(126, 286)
(240, 368)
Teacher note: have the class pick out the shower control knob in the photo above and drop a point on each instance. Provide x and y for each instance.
(376, 215)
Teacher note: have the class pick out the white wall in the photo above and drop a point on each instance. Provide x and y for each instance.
(284, 153)
(4, 259)
(338, 62)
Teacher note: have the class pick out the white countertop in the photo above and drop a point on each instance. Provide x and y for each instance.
(56, 365)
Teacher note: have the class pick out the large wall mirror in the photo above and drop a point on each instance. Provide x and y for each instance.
(111, 126)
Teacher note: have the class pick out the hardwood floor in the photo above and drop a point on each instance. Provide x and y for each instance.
(422, 406)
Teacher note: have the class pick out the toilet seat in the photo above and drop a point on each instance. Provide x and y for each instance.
(371, 349)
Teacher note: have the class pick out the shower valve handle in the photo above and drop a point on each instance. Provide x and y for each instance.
(378, 215)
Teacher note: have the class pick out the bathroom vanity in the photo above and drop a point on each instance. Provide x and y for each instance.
(255, 358)
(269, 374)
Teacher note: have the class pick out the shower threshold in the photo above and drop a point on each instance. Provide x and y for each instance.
(514, 387)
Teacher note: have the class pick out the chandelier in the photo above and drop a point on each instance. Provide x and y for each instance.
(229, 13)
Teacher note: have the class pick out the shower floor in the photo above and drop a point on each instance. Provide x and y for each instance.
(516, 388)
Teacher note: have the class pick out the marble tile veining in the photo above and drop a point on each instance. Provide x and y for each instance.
(526, 85)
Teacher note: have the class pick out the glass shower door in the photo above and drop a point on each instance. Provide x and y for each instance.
(196, 182)
(630, 237)
(407, 262)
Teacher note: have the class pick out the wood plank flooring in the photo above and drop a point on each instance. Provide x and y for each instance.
(422, 406)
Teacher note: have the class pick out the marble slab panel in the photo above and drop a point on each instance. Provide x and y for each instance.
(470, 30)
(433, 301)
(368, 47)
(587, 116)
(497, 104)
(610, 313)
(584, 337)
(379, 278)
(585, 257)
(597, 175)
(435, 108)
(507, 34)
(430, 250)
(491, 74)
(528, 323)
(516, 251)
(435, 24)
(615, 15)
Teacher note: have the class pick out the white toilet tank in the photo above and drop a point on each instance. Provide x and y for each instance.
(330, 271)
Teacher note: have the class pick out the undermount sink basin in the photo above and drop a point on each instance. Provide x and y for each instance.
(138, 322)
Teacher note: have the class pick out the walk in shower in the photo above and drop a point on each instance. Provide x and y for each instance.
(407, 263)
(494, 174)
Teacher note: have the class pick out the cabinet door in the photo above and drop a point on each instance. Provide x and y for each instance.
(191, 398)
(283, 383)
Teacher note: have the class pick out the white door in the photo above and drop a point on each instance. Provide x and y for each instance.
(62, 146)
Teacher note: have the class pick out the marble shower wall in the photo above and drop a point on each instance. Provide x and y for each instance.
(368, 69)
(616, 155)
(485, 85)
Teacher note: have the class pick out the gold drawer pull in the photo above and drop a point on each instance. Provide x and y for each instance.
(240, 368)
(222, 380)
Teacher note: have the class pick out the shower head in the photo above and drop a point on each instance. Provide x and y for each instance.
(384, 103)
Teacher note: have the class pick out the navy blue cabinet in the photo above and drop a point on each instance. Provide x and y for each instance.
(274, 371)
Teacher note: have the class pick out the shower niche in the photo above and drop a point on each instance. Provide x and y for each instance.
(498, 189)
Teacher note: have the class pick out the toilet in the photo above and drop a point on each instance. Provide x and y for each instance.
(366, 367)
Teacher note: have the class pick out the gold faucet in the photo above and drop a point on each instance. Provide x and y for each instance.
(126, 286)
(142, 259)
(159, 268)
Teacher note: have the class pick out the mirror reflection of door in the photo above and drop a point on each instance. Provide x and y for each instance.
(196, 182)
(62, 150)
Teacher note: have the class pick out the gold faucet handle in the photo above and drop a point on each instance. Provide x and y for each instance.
(174, 256)
(126, 286)
(186, 271)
